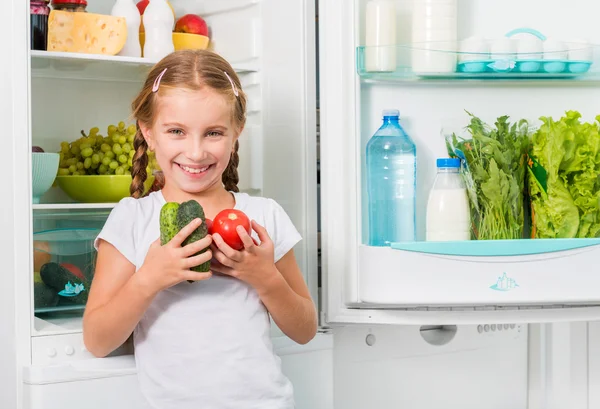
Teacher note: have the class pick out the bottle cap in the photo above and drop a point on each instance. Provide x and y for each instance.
(448, 163)
(394, 113)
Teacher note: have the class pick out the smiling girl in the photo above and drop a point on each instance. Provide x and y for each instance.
(205, 344)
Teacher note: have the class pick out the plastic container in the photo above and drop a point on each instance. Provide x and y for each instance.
(434, 36)
(79, 6)
(391, 183)
(63, 261)
(128, 10)
(38, 15)
(448, 212)
(380, 25)
(158, 26)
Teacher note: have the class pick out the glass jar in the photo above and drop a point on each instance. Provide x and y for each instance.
(38, 15)
(70, 5)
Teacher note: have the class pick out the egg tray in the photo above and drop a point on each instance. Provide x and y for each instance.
(535, 66)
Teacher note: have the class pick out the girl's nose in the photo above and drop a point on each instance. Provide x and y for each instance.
(196, 150)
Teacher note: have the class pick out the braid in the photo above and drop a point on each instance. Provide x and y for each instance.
(140, 162)
(230, 176)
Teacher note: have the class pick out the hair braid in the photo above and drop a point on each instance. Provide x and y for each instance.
(230, 175)
(140, 163)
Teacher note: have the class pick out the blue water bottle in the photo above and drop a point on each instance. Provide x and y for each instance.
(391, 183)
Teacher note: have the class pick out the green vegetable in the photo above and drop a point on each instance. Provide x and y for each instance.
(564, 185)
(174, 217)
(494, 173)
(61, 279)
(43, 295)
(168, 222)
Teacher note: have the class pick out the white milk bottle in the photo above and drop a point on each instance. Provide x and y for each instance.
(128, 10)
(158, 25)
(448, 212)
(380, 24)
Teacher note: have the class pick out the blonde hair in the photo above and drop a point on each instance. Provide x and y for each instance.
(193, 70)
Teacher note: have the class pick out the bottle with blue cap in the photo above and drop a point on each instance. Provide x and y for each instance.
(448, 212)
(391, 183)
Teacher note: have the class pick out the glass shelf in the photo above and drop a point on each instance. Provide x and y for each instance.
(495, 248)
(438, 61)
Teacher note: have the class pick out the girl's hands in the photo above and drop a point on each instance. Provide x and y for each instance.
(170, 264)
(253, 264)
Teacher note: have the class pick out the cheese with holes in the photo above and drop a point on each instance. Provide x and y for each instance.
(86, 33)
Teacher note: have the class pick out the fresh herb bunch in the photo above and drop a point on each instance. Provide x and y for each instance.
(494, 166)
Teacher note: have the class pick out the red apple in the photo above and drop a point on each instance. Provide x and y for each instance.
(191, 24)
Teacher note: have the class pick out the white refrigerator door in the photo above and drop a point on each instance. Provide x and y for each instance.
(426, 283)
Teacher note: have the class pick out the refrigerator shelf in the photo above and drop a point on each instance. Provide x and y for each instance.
(437, 61)
(49, 64)
(479, 276)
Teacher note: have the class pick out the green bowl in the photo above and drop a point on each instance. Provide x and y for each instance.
(98, 188)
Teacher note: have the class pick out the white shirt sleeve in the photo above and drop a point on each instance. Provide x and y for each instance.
(119, 229)
(282, 231)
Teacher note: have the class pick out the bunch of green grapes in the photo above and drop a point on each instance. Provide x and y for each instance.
(94, 154)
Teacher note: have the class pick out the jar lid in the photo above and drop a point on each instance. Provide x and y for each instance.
(448, 163)
(79, 2)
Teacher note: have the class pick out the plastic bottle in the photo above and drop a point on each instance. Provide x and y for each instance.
(128, 10)
(391, 183)
(158, 26)
(448, 212)
(380, 26)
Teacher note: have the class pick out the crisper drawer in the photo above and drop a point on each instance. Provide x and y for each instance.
(507, 273)
(90, 384)
(63, 266)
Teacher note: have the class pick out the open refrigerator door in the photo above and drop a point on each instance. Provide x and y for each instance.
(420, 316)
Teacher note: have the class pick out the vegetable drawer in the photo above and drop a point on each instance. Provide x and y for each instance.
(63, 267)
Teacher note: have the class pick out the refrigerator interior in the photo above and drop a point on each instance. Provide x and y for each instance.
(70, 93)
(276, 159)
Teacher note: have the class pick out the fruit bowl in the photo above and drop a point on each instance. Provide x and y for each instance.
(44, 166)
(98, 188)
(184, 41)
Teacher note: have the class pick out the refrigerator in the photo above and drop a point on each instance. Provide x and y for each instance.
(429, 319)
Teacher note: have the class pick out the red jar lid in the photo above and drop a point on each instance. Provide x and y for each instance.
(79, 2)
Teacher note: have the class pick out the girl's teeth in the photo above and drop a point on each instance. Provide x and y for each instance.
(194, 170)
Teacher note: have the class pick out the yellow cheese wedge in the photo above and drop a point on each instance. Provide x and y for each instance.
(86, 33)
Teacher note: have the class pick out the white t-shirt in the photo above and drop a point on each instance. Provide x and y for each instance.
(205, 344)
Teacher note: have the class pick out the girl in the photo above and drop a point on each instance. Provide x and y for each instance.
(204, 344)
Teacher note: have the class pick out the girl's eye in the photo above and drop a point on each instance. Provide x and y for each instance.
(176, 132)
(214, 133)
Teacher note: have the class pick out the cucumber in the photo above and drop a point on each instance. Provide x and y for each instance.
(168, 222)
(174, 217)
(187, 212)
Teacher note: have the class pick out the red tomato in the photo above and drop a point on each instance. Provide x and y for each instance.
(76, 271)
(225, 224)
(209, 224)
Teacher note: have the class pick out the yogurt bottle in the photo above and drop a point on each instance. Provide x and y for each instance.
(158, 25)
(128, 10)
(448, 211)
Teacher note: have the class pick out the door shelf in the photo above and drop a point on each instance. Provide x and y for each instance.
(49, 64)
(431, 62)
(493, 275)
